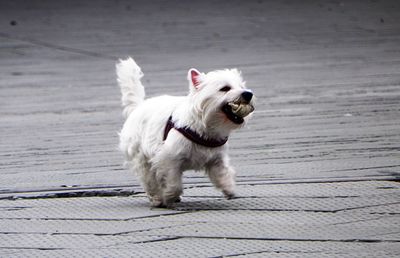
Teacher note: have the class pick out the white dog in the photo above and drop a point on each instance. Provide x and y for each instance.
(166, 135)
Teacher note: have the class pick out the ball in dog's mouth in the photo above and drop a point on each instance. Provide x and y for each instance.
(236, 111)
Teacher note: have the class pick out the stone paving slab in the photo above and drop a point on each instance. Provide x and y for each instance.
(221, 247)
(284, 220)
(327, 88)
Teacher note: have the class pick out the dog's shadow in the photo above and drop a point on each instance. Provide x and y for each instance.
(206, 203)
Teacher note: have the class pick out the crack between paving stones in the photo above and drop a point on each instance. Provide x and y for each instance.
(106, 246)
(75, 194)
(254, 209)
(317, 180)
(354, 240)
(68, 188)
(177, 212)
(35, 248)
(104, 192)
(182, 209)
(385, 213)
(355, 221)
(294, 210)
(67, 219)
(150, 229)
(363, 168)
(385, 234)
(268, 252)
(367, 206)
(80, 191)
(99, 234)
(275, 196)
(58, 47)
(172, 238)
(323, 180)
(279, 252)
(144, 242)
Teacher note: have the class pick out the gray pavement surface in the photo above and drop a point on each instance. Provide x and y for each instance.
(318, 166)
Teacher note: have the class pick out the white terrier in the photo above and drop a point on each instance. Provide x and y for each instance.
(166, 135)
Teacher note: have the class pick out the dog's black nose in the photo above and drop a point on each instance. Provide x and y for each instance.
(247, 95)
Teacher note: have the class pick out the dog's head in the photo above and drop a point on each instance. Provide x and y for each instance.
(220, 98)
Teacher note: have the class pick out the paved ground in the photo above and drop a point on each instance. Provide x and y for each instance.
(319, 165)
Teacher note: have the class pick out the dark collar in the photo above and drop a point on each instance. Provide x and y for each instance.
(193, 136)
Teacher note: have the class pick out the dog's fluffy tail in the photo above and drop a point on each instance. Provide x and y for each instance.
(128, 77)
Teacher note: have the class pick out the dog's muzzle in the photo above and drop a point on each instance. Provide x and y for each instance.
(238, 109)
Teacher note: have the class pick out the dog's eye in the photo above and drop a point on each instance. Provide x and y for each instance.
(225, 88)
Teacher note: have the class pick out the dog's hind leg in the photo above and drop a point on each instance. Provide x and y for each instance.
(152, 188)
(173, 188)
(170, 180)
(147, 175)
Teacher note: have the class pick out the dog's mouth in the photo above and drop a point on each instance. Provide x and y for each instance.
(237, 110)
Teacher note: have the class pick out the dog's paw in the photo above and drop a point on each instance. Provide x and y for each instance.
(172, 202)
(229, 195)
(157, 203)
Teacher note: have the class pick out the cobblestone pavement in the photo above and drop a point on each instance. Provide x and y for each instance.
(318, 166)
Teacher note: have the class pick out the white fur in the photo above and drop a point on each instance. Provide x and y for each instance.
(159, 163)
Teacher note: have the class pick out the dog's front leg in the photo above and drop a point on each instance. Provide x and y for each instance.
(222, 175)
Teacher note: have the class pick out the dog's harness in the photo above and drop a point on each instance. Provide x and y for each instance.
(193, 136)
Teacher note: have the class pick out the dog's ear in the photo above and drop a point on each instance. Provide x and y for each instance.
(194, 78)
